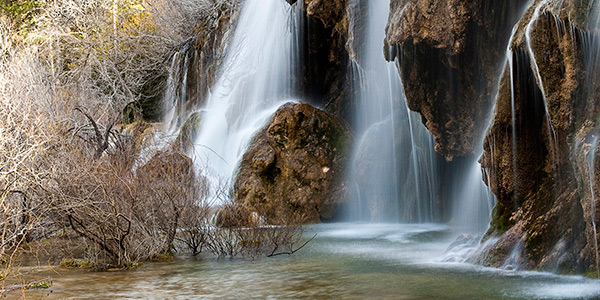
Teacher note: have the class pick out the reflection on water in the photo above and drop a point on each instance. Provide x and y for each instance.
(345, 261)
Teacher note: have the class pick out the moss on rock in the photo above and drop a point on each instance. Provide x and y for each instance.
(295, 166)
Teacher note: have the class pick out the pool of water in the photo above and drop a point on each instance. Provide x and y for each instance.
(344, 261)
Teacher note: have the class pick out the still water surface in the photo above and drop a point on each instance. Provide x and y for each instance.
(344, 261)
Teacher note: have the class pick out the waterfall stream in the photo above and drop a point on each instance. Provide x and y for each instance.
(255, 79)
(393, 163)
(395, 166)
(591, 49)
(590, 161)
(538, 77)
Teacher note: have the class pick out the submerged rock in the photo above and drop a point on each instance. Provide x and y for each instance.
(294, 167)
(449, 55)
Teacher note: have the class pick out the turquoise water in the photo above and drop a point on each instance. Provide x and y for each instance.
(344, 261)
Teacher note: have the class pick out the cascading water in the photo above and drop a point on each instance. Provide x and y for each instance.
(590, 161)
(473, 202)
(538, 76)
(254, 81)
(393, 164)
(591, 49)
(176, 94)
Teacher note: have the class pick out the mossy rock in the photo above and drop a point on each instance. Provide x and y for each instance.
(295, 166)
(75, 263)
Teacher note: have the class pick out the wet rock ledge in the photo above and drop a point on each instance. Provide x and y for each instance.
(450, 54)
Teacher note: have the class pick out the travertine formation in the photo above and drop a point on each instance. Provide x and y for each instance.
(450, 54)
(538, 147)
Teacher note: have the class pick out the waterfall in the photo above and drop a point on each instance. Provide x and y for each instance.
(393, 160)
(176, 94)
(395, 167)
(254, 80)
(473, 202)
(590, 161)
(538, 76)
(591, 50)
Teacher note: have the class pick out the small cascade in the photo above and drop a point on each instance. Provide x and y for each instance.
(590, 40)
(528, 110)
(255, 79)
(180, 97)
(473, 202)
(513, 118)
(538, 77)
(177, 95)
(590, 161)
(393, 163)
(591, 50)
(514, 259)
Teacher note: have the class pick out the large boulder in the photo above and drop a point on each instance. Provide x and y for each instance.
(295, 166)
(540, 149)
(450, 54)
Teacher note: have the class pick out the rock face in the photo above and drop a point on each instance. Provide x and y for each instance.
(540, 150)
(212, 38)
(193, 68)
(295, 166)
(450, 54)
(325, 58)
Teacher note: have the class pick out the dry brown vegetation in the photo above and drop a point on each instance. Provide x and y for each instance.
(72, 184)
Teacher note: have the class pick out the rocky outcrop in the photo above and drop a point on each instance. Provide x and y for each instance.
(540, 150)
(294, 167)
(450, 54)
(193, 66)
(210, 44)
(325, 58)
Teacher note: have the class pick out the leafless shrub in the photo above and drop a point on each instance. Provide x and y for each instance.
(25, 136)
(67, 174)
(125, 214)
(242, 232)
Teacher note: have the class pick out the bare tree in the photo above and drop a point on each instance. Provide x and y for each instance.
(66, 170)
(25, 136)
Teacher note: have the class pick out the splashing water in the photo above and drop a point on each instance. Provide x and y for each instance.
(255, 79)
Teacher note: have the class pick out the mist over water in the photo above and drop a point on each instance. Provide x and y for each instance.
(393, 164)
(344, 261)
